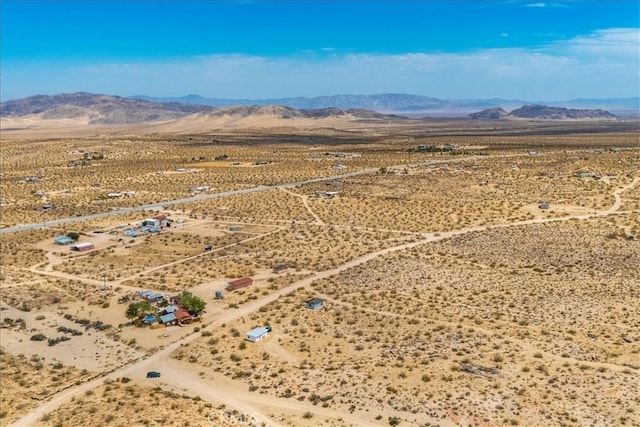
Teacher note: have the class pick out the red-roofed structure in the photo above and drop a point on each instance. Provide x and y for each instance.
(239, 283)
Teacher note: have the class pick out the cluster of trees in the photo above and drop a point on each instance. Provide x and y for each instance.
(193, 304)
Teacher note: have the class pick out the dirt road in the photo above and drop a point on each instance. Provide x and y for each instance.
(246, 401)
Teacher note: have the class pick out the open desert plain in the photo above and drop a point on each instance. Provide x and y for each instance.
(413, 272)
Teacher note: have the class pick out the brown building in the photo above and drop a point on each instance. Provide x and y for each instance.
(280, 268)
(239, 283)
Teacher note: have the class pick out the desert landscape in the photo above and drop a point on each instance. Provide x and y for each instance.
(351, 271)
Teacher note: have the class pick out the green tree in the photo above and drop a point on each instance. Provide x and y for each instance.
(137, 309)
(193, 304)
(73, 235)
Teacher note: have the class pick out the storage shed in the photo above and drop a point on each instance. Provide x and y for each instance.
(280, 268)
(314, 303)
(80, 247)
(239, 283)
(257, 334)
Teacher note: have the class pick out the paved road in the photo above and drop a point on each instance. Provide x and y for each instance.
(200, 197)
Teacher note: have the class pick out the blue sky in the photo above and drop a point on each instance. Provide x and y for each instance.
(532, 50)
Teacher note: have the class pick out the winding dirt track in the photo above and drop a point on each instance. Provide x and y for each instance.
(245, 401)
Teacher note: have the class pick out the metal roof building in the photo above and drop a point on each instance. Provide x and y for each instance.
(257, 334)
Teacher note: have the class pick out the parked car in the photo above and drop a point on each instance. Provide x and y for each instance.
(153, 374)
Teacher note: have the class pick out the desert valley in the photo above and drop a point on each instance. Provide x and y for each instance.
(352, 268)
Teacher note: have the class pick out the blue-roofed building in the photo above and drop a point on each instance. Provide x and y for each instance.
(168, 319)
(314, 303)
(154, 297)
(257, 334)
(63, 240)
(170, 309)
(145, 294)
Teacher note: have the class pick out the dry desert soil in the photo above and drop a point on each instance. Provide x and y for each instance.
(489, 279)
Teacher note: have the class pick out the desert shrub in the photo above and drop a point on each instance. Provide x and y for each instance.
(38, 337)
(54, 341)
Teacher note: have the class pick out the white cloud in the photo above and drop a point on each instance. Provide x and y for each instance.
(602, 64)
(547, 5)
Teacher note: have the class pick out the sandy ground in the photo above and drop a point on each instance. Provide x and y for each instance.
(420, 270)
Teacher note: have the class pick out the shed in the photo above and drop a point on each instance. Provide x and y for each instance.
(280, 268)
(314, 303)
(239, 283)
(80, 247)
(63, 240)
(257, 334)
(218, 295)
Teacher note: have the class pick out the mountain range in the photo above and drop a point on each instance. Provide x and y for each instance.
(542, 112)
(86, 108)
(413, 105)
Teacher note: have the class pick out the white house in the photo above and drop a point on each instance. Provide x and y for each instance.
(257, 334)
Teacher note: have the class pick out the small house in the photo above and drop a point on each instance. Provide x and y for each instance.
(63, 240)
(145, 294)
(257, 334)
(162, 220)
(81, 247)
(168, 319)
(183, 316)
(280, 268)
(151, 222)
(314, 303)
(154, 297)
(239, 283)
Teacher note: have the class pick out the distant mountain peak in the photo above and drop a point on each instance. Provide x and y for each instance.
(543, 112)
(558, 113)
(96, 108)
(495, 113)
